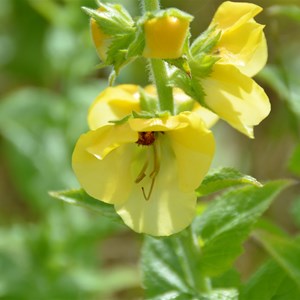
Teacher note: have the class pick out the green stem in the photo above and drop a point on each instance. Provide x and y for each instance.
(159, 70)
(165, 95)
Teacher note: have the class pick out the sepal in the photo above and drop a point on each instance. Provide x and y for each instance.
(205, 42)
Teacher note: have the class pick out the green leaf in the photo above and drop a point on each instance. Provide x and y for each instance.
(137, 46)
(117, 51)
(227, 222)
(292, 12)
(220, 179)
(284, 250)
(201, 66)
(270, 283)
(81, 198)
(181, 79)
(112, 19)
(170, 266)
(171, 270)
(274, 76)
(205, 42)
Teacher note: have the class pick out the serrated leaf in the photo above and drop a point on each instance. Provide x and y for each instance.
(227, 222)
(205, 42)
(137, 46)
(170, 267)
(284, 250)
(117, 51)
(220, 179)
(171, 270)
(111, 19)
(81, 198)
(202, 66)
(180, 63)
(190, 86)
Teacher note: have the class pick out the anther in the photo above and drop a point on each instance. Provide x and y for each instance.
(153, 174)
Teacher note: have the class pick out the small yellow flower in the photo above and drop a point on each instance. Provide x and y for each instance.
(230, 91)
(147, 168)
(165, 37)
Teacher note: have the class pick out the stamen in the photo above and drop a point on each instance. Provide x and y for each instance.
(154, 173)
(150, 191)
(142, 174)
(149, 139)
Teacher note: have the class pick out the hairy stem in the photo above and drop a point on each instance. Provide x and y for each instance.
(159, 70)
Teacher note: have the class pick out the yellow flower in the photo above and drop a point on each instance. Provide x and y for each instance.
(147, 168)
(165, 36)
(230, 91)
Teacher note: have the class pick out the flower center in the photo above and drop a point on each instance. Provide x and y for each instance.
(146, 138)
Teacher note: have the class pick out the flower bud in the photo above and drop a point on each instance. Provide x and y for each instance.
(165, 36)
(100, 39)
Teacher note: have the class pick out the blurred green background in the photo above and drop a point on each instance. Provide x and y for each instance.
(48, 79)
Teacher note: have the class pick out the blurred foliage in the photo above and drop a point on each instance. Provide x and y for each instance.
(48, 79)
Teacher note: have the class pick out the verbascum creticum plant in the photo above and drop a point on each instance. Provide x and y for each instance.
(145, 160)
(148, 149)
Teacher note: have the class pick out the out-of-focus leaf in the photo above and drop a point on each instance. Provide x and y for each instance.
(284, 251)
(268, 283)
(81, 198)
(56, 259)
(274, 76)
(39, 128)
(292, 12)
(171, 270)
(283, 77)
(227, 222)
(229, 279)
(295, 211)
(223, 178)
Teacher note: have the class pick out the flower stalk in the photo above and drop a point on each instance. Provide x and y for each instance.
(158, 70)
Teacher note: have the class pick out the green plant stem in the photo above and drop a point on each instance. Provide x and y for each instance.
(159, 70)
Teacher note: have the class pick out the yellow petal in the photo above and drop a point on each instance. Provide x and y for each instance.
(156, 124)
(236, 98)
(207, 116)
(101, 161)
(194, 147)
(169, 209)
(245, 47)
(258, 59)
(114, 103)
(233, 14)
